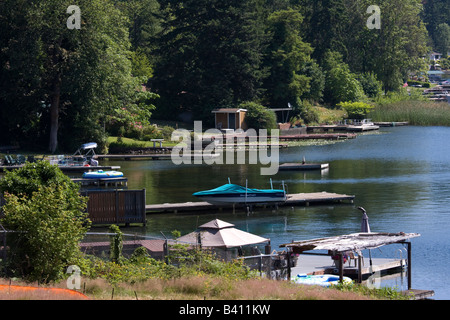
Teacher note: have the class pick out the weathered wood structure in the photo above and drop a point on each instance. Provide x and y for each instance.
(116, 206)
(341, 245)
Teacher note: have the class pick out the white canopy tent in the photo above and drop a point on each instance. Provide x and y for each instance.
(221, 234)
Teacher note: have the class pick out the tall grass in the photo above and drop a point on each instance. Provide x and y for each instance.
(419, 113)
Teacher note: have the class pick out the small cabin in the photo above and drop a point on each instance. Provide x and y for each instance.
(230, 118)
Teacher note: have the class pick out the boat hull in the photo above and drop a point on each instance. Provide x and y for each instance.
(243, 199)
(324, 280)
(102, 174)
(233, 194)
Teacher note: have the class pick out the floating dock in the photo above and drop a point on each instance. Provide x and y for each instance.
(157, 156)
(303, 166)
(67, 168)
(325, 136)
(293, 199)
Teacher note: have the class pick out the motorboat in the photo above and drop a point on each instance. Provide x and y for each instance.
(234, 194)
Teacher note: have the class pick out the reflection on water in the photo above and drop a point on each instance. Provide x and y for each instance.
(399, 175)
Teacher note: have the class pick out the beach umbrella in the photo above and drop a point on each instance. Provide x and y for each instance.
(221, 234)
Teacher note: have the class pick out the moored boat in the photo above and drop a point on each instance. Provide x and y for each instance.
(235, 194)
(324, 280)
(100, 174)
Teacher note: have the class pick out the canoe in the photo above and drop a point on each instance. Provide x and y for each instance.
(324, 280)
(100, 174)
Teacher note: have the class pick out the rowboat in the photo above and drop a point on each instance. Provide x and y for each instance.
(234, 194)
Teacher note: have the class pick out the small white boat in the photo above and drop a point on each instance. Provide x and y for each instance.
(324, 280)
(100, 174)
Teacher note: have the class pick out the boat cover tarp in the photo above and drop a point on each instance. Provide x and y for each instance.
(234, 189)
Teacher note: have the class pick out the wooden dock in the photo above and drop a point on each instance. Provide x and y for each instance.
(303, 166)
(325, 136)
(391, 124)
(153, 156)
(67, 168)
(296, 199)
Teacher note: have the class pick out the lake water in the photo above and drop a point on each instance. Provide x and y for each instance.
(399, 175)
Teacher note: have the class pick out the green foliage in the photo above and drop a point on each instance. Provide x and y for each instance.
(356, 110)
(445, 63)
(420, 113)
(258, 116)
(385, 293)
(209, 56)
(116, 244)
(340, 83)
(49, 217)
(370, 84)
(32, 176)
(442, 40)
(184, 263)
(287, 57)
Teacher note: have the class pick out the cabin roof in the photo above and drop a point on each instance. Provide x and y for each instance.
(228, 110)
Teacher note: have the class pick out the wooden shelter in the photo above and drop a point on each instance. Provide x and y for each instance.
(339, 245)
(230, 118)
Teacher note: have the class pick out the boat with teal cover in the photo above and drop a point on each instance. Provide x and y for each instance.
(324, 280)
(235, 194)
(100, 174)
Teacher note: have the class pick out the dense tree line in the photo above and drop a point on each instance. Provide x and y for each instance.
(131, 58)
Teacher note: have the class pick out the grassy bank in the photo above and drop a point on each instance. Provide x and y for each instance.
(205, 288)
(417, 113)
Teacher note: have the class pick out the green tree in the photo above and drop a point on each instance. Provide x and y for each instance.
(371, 86)
(65, 80)
(209, 56)
(435, 13)
(442, 42)
(340, 83)
(258, 116)
(45, 209)
(286, 59)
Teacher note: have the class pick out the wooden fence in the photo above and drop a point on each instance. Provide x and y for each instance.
(116, 206)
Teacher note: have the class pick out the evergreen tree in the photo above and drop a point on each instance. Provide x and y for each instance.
(209, 56)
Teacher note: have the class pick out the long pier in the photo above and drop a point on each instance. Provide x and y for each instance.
(296, 199)
(66, 168)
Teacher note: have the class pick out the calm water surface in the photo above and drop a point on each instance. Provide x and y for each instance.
(399, 175)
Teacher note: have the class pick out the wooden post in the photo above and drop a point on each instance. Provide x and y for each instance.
(341, 267)
(359, 269)
(409, 264)
(288, 260)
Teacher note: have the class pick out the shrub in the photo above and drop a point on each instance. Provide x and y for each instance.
(47, 212)
(259, 117)
(356, 110)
